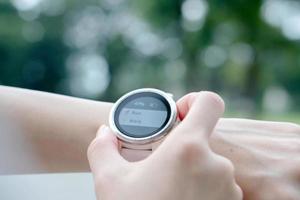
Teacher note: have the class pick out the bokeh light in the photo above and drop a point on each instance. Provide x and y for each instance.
(284, 14)
(101, 49)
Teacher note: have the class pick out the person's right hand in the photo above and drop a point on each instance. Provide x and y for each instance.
(182, 168)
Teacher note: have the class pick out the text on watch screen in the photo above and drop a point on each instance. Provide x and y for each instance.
(143, 116)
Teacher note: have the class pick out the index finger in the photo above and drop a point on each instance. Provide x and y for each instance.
(201, 113)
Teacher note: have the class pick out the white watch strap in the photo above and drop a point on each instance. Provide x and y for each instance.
(133, 155)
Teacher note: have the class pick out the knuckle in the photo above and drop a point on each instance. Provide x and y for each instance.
(237, 193)
(229, 166)
(191, 151)
(99, 181)
(226, 166)
(225, 169)
(103, 181)
(95, 147)
(215, 99)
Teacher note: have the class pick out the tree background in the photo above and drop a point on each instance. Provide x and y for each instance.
(248, 51)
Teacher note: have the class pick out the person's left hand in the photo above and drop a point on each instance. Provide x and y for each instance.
(183, 166)
(266, 155)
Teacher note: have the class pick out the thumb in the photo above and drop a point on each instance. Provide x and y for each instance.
(103, 153)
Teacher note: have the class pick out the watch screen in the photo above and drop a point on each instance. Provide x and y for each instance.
(142, 114)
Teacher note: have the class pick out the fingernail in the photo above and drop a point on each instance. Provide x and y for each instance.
(103, 131)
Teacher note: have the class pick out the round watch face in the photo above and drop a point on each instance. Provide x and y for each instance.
(142, 114)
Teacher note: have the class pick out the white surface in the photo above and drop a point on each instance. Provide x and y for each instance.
(47, 187)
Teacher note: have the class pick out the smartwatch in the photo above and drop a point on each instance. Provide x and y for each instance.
(141, 119)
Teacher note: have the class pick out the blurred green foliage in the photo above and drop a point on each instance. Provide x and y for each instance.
(243, 50)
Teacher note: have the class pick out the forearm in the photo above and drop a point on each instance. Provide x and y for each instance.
(42, 132)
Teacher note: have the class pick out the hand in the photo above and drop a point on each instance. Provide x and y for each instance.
(266, 155)
(183, 166)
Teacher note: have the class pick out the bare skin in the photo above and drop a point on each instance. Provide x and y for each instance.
(265, 154)
(266, 159)
(52, 133)
(183, 166)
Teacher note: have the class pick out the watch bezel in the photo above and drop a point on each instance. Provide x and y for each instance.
(148, 139)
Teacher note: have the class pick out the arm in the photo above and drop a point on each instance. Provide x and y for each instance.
(42, 132)
(59, 129)
(265, 154)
